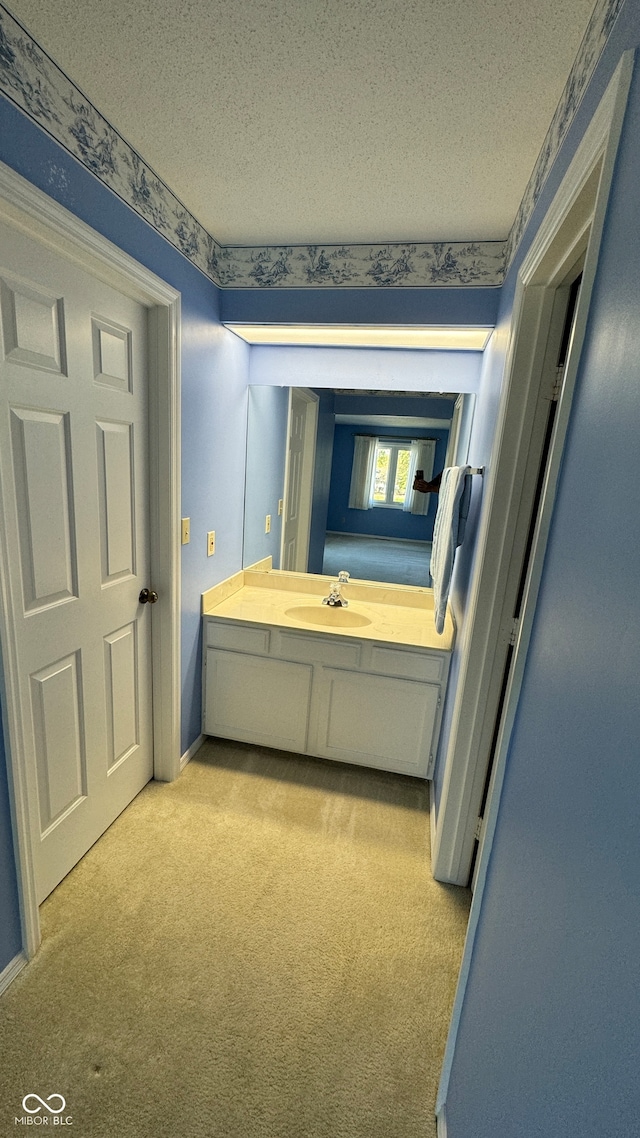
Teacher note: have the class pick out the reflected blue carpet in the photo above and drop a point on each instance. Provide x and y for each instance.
(378, 559)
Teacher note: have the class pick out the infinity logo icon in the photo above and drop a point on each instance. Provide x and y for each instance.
(43, 1103)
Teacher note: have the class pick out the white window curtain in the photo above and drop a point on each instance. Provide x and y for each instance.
(364, 456)
(423, 453)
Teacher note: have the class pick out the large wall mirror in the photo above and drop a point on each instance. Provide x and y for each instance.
(329, 477)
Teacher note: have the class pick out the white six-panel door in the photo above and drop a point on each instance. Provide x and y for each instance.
(74, 473)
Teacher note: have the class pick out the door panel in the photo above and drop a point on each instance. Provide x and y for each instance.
(111, 354)
(41, 466)
(74, 472)
(59, 744)
(121, 693)
(33, 327)
(117, 500)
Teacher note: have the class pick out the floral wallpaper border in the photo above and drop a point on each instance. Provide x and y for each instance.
(39, 88)
(387, 265)
(599, 28)
(31, 80)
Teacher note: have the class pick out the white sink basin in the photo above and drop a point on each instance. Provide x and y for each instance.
(327, 616)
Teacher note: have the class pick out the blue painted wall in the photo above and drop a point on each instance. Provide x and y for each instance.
(266, 453)
(548, 1040)
(378, 522)
(432, 407)
(478, 306)
(214, 382)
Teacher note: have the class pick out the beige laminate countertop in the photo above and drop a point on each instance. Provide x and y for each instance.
(395, 614)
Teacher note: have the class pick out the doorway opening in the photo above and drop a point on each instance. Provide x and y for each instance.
(570, 231)
(563, 321)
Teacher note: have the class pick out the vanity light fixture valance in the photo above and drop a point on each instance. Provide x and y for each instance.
(421, 337)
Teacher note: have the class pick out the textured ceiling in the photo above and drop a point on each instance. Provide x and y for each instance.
(305, 121)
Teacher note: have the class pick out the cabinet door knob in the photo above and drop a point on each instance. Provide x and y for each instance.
(148, 597)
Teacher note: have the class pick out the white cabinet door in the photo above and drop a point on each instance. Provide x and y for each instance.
(377, 721)
(257, 699)
(74, 478)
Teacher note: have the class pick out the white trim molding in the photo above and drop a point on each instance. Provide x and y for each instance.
(432, 817)
(29, 209)
(191, 751)
(441, 1123)
(13, 968)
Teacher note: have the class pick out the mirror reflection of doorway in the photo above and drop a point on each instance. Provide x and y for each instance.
(377, 550)
(387, 536)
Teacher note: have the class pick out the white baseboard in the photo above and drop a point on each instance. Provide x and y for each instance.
(188, 755)
(8, 974)
(432, 814)
(441, 1123)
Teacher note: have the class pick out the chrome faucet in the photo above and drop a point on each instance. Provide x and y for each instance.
(335, 598)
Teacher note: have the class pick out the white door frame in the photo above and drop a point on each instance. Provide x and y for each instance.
(25, 207)
(308, 471)
(454, 435)
(577, 212)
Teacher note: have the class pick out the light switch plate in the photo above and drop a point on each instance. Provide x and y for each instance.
(280, 506)
(267, 524)
(186, 531)
(211, 542)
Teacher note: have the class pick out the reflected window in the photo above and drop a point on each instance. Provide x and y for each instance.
(390, 474)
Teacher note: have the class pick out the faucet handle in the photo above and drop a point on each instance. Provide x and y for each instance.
(343, 576)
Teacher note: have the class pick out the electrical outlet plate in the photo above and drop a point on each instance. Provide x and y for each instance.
(186, 531)
(267, 524)
(280, 506)
(211, 542)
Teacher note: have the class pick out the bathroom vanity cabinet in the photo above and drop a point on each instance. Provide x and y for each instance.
(339, 697)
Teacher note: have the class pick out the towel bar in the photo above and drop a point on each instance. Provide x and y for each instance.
(476, 470)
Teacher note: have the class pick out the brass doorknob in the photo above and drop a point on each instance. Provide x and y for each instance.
(148, 597)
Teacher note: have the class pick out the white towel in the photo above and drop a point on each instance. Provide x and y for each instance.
(447, 534)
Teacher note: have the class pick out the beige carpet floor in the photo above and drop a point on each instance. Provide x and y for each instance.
(257, 950)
